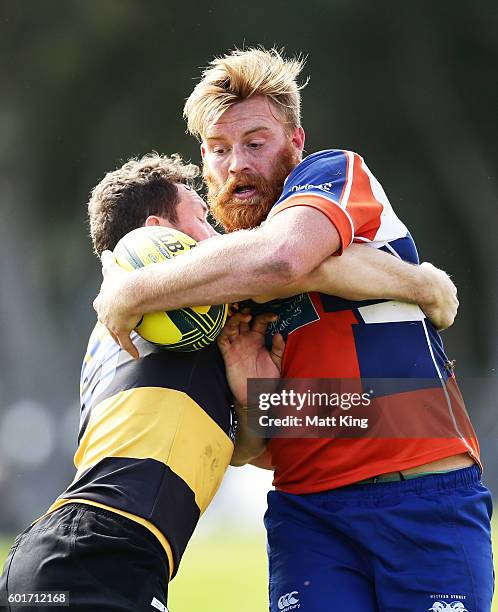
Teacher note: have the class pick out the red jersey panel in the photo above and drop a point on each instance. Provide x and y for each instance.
(328, 337)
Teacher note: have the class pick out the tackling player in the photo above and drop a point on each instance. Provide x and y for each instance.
(374, 525)
(157, 434)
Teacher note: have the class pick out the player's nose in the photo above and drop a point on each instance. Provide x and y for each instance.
(238, 162)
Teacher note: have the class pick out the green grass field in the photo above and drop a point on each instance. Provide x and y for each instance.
(223, 573)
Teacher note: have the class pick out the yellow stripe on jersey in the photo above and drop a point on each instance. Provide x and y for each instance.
(161, 424)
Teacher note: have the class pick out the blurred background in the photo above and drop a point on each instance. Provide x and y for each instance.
(86, 84)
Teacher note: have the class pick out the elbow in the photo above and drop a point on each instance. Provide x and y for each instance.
(277, 271)
(283, 267)
(239, 459)
(238, 463)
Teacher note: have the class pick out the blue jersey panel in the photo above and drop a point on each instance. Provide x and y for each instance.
(323, 173)
(393, 350)
(405, 247)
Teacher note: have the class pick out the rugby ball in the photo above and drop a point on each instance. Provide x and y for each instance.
(185, 329)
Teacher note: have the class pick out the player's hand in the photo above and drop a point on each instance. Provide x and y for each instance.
(242, 345)
(441, 302)
(111, 307)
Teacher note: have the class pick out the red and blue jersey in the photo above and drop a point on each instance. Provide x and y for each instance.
(328, 337)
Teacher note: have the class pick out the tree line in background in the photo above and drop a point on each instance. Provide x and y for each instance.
(87, 84)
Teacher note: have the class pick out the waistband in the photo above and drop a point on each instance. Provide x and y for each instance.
(398, 476)
(446, 481)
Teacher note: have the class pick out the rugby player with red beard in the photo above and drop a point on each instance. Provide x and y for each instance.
(375, 524)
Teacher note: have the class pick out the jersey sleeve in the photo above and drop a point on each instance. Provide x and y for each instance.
(340, 185)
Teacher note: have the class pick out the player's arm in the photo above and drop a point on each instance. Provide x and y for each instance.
(231, 268)
(364, 273)
(242, 345)
(247, 445)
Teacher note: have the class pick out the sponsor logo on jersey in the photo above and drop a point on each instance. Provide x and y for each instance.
(323, 186)
(293, 313)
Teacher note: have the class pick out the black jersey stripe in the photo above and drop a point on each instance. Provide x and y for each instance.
(199, 374)
(124, 483)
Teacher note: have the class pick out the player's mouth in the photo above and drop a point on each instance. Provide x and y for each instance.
(244, 192)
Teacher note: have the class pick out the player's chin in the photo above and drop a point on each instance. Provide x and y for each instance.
(236, 214)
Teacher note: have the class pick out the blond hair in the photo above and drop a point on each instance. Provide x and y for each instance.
(141, 187)
(243, 74)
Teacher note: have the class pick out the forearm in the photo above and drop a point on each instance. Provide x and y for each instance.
(247, 445)
(368, 273)
(215, 272)
(362, 273)
(236, 266)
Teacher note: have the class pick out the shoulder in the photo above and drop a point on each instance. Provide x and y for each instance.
(323, 169)
(321, 160)
(323, 173)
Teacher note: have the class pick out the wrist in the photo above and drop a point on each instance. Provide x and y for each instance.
(427, 287)
(131, 295)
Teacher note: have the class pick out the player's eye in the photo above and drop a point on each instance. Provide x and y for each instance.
(255, 145)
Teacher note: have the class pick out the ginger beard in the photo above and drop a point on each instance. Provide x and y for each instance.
(234, 213)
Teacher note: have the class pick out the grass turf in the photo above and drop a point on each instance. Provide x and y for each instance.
(223, 572)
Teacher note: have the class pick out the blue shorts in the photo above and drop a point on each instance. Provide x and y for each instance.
(414, 545)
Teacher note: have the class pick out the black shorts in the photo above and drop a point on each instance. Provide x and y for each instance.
(104, 561)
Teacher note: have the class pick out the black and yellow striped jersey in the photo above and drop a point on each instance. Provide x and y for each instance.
(156, 436)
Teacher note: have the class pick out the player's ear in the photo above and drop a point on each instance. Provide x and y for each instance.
(298, 137)
(203, 150)
(152, 220)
